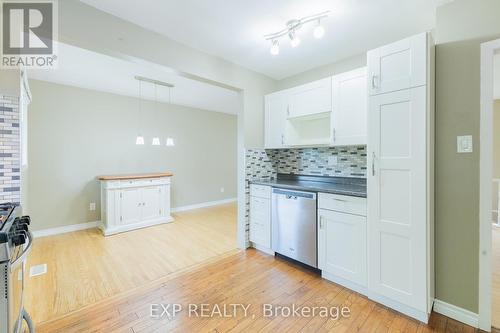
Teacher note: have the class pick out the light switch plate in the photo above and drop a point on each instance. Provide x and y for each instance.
(464, 144)
(332, 160)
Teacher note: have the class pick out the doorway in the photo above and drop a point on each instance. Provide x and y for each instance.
(489, 254)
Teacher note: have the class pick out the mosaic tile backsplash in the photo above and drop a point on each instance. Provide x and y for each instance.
(9, 150)
(266, 164)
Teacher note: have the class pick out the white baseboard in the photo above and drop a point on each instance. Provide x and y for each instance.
(454, 312)
(65, 229)
(203, 205)
(346, 283)
(135, 226)
(95, 224)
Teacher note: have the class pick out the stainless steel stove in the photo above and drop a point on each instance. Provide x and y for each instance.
(15, 244)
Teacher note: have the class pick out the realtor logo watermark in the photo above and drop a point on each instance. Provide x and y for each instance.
(29, 32)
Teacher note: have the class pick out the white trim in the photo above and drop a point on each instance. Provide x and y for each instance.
(134, 226)
(454, 312)
(203, 205)
(485, 184)
(262, 249)
(345, 283)
(65, 229)
(404, 309)
(241, 176)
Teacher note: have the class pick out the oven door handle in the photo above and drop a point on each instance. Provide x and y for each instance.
(19, 260)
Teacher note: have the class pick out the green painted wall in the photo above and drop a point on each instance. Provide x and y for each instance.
(77, 134)
(461, 27)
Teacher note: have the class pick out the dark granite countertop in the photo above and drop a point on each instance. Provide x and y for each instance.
(355, 187)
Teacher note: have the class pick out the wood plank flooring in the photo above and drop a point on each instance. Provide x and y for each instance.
(85, 267)
(495, 285)
(247, 277)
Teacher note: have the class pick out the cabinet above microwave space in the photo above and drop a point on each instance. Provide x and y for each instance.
(327, 112)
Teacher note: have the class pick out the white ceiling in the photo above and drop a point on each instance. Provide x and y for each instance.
(234, 29)
(85, 69)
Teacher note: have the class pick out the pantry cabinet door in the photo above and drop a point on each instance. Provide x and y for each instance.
(350, 108)
(342, 245)
(151, 202)
(397, 66)
(275, 119)
(130, 205)
(397, 221)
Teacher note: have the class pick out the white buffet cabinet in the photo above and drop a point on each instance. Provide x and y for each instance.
(129, 203)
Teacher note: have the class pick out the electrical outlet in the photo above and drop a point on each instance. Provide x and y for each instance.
(92, 206)
(222, 190)
(332, 160)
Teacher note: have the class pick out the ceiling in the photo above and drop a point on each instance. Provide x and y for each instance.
(234, 29)
(86, 69)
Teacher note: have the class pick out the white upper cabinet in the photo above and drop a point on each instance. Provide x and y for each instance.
(397, 66)
(310, 99)
(350, 99)
(276, 105)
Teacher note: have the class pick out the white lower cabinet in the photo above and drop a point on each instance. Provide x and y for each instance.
(260, 217)
(342, 240)
(132, 204)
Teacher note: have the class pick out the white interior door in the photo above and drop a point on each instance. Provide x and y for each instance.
(350, 108)
(275, 119)
(397, 66)
(342, 245)
(397, 196)
(130, 206)
(151, 202)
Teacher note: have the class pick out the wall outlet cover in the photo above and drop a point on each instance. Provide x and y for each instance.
(222, 190)
(464, 144)
(92, 206)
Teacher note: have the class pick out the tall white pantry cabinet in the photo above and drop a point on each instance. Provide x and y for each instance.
(401, 175)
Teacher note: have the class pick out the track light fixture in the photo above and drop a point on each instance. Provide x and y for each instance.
(275, 47)
(291, 29)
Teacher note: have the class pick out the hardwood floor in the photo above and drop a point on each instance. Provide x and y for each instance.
(244, 277)
(85, 267)
(495, 285)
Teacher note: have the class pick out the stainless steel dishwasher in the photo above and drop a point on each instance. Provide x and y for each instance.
(294, 225)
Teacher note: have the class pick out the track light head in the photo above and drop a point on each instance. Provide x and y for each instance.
(294, 40)
(275, 47)
(319, 31)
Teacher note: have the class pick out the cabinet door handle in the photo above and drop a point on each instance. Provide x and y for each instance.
(282, 139)
(374, 81)
(288, 110)
(373, 164)
(334, 135)
(320, 223)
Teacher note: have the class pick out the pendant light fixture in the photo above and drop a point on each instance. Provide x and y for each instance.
(170, 141)
(139, 140)
(156, 140)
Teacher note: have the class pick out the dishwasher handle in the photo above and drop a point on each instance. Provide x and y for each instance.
(294, 195)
